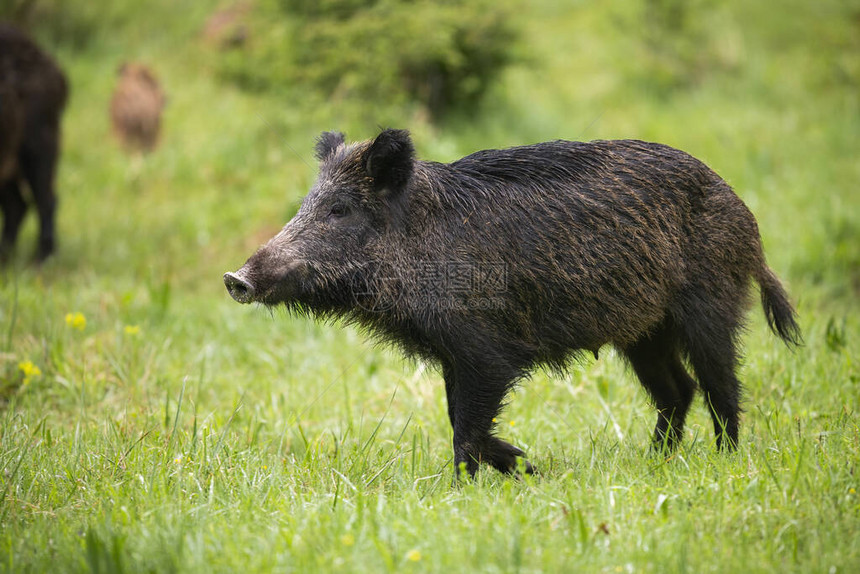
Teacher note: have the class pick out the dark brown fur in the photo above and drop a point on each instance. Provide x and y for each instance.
(627, 243)
(33, 93)
(136, 107)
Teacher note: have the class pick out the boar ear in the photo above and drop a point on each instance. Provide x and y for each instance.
(327, 143)
(389, 160)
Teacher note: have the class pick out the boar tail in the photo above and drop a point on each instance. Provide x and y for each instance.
(781, 316)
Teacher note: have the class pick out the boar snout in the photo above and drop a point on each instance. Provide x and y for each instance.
(239, 289)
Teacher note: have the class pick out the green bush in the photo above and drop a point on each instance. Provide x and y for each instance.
(440, 55)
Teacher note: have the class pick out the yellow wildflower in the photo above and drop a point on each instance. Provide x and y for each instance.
(131, 330)
(76, 320)
(347, 540)
(29, 369)
(413, 555)
(512, 423)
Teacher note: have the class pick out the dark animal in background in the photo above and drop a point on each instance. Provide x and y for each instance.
(33, 93)
(11, 129)
(511, 259)
(136, 107)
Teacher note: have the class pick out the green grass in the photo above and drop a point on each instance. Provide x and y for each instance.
(180, 432)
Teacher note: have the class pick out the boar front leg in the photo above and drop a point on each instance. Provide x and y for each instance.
(475, 396)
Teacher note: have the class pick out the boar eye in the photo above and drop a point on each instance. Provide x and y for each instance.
(338, 210)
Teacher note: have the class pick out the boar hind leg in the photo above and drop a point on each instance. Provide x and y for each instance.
(14, 207)
(657, 364)
(39, 161)
(475, 397)
(711, 350)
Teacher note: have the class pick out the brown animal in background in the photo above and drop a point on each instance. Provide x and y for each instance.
(135, 108)
(33, 92)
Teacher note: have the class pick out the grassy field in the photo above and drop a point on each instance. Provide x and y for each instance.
(150, 424)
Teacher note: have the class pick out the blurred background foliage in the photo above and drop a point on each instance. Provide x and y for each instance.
(438, 55)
